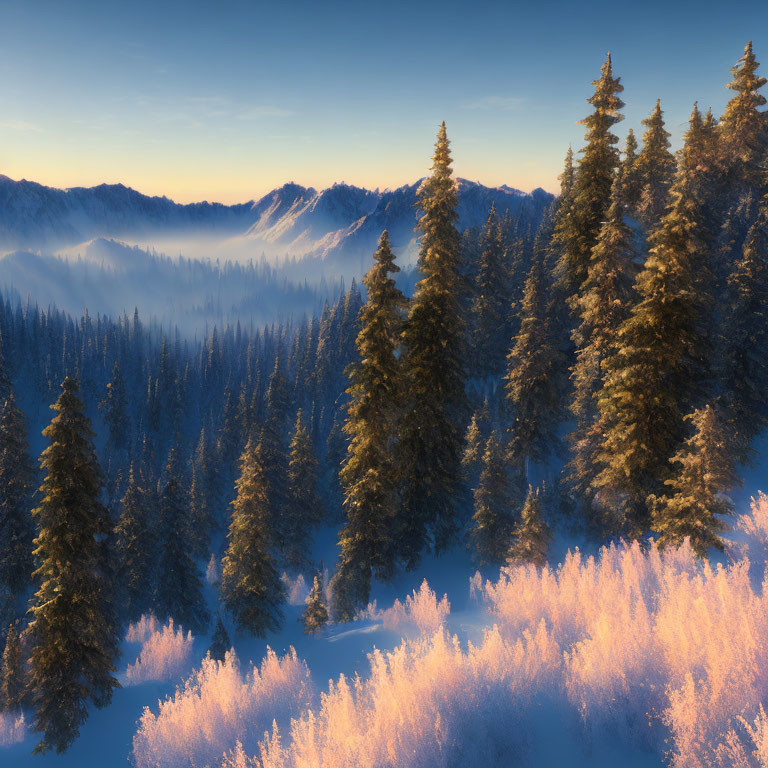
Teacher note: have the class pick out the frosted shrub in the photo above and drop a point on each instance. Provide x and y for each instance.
(427, 703)
(13, 729)
(140, 631)
(650, 639)
(746, 746)
(752, 529)
(296, 590)
(636, 648)
(165, 655)
(218, 708)
(421, 610)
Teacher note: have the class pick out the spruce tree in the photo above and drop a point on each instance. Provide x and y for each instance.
(660, 367)
(304, 511)
(16, 485)
(114, 407)
(531, 536)
(532, 377)
(745, 335)
(703, 473)
(656, 167)
(491, 308)
(250, 585)
(433, 424)
(12, 673)
(369, 471)
(315, 615)
(75, 645)
(492, 521)
(220, 643)
(743, 128)
(591, 193)
(179, 586)
(136, 549)
(629, 175)
(604, 305)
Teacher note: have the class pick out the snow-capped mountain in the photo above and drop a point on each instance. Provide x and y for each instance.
(341, 223)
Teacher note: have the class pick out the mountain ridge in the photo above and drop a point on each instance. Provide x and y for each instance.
(341, 222)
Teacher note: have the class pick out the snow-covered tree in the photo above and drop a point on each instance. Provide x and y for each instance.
(703, 474)
(432, 431)
(531, 535)
(75, 644)
(492, 520)
(315, 615)
(250, 584)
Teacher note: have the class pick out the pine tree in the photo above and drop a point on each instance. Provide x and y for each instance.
(631, 182)
(604, 305)
(531, 536)
(697, 487)
(75, 644)
(12, 673)
(656, 167)
(273, 442)
(135, 550)
(304, 509)
(16, 485)
(745, 332)
(114, 406)
(660, 368)
(369, 471)
(743, 128)
(179, 587)
(493, 517)
(491, 308)
(220, 643)
(250, 585)
(433, 425)
(591, 193)
(532, 376)
(315, 615)
(472, 458)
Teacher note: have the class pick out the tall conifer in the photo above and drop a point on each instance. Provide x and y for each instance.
(75, 645)
(304, 510)
(591, 193)
(369, 472)
(136, 549)
(250, 585)
(179, 586)
(492, 521)
(656, 167)
(433, 426)
(660, 367)
(703, 473)
(16, 480)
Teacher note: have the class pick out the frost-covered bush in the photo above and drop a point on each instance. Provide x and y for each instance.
(13, 729)
(751, 534)
(218, 708)
(421, 612)
(165, 655)
(141, 630)
(636, 647)
(427, 703)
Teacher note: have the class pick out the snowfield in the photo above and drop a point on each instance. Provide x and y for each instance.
(630, 656)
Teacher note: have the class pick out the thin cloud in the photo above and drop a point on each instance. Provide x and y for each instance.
(20, 125)
(500, 103)
(264, 111)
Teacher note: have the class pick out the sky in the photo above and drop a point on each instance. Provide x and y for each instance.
(227, 100)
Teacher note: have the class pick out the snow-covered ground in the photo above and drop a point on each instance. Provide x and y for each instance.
(627, 660)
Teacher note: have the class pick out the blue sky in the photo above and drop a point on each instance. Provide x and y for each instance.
(226, 100)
